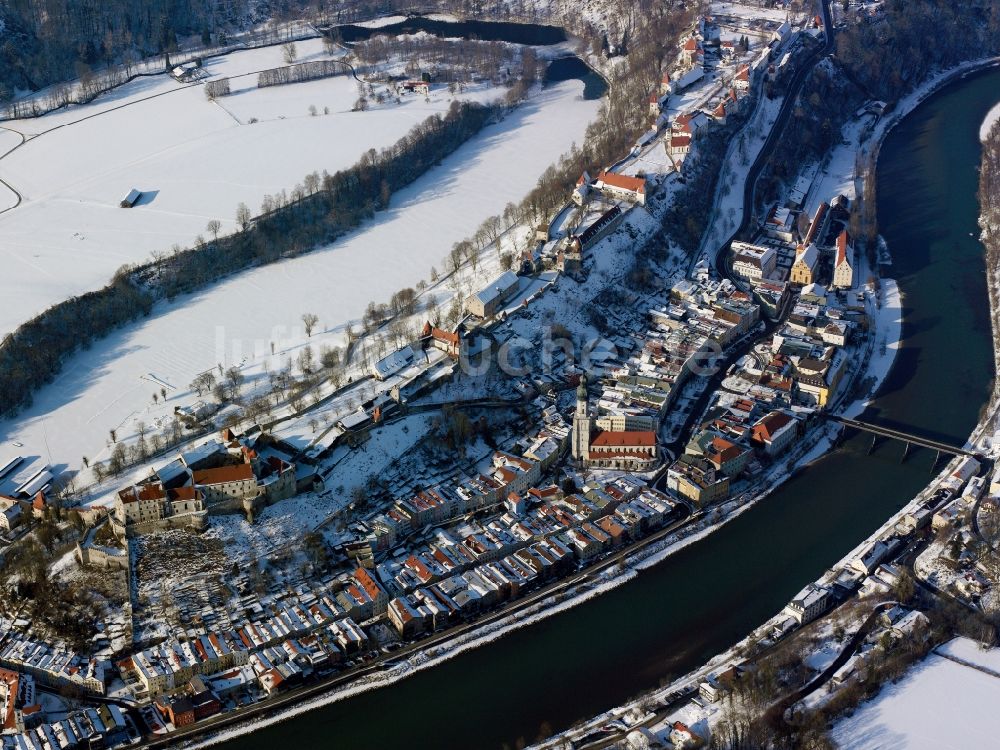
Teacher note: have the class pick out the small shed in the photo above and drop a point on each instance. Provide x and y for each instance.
(131, 199)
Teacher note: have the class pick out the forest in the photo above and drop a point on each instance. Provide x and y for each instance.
(892, 53)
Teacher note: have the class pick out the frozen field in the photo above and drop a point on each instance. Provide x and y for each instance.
(937, 704)
(196, 160)
(111, 384)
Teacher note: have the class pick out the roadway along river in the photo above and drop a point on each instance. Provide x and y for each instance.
(699, 602)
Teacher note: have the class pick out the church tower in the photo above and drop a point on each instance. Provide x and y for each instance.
(581, 424)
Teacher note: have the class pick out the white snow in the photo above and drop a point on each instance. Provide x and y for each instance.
(938, 704)
(107, 386)
(196, 160)
(971, 653)
(992, 118)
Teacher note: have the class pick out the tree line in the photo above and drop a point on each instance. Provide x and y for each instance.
(317, 212)
(307, 71)
(46, 42)
(893, 52)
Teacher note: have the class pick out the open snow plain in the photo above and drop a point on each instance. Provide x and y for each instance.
(109, 386)
(195, 159)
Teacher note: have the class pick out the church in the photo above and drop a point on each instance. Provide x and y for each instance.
(628, 450)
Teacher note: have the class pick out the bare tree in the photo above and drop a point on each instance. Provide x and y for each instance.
(309, 320)
(289, 53)
(214, 226)
(243, 216)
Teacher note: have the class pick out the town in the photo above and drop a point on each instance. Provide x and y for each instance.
(578, 395)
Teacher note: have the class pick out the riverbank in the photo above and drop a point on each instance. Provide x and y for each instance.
(647, 555)
(890, 317)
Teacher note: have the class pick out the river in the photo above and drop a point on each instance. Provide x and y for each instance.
(568, 67)
(700, 601)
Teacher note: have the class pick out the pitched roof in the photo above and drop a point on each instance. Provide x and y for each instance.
(841, 248)
(626, 439)
(623, 182)
(224, 474)
(769, 425)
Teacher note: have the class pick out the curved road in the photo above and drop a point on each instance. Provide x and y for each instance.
(750, 187)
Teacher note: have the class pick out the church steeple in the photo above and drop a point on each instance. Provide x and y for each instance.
(581, 423)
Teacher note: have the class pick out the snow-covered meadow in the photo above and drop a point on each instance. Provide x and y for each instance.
(939, 703)
(195, 160)
(110, 385)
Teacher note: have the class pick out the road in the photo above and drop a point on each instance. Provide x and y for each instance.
(787, 106)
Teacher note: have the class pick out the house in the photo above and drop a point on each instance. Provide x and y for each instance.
(843, 270)
(486, 302)
(580, 193)
(696, 479)
(804, 267)
(131, 199)
(719, 114)
(451, 343)
(679, 144)
(593, 234)
(753, 262)
(414, 87)
(780, 224)
(728, 458)
(392, 363)
(681, 735)
(178, 711)
(665, 86)
(742, 80)
(774, 432)
(818, 224)
(10, 514)
(691, 51)
(870, 557)
(622, 187)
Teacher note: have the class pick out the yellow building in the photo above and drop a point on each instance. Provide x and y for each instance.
(804, 268)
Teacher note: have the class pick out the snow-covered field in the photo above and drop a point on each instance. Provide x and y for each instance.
(938, 704)
(196, 160)
(111, 384)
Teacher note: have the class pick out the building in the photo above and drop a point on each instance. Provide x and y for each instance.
(593, 234)
(10, 514)
(696, 479)
(226, 483)
(742, 80)
(808, 604)
(804, 267)
(633, 451)
(774, 432)
(679, 144)
(131, 199)
(608, 449)
(622, 187)
(486, 302)
(843, 270)
(580, 192)
(753, 262)
(451, 343)
(415, 87)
